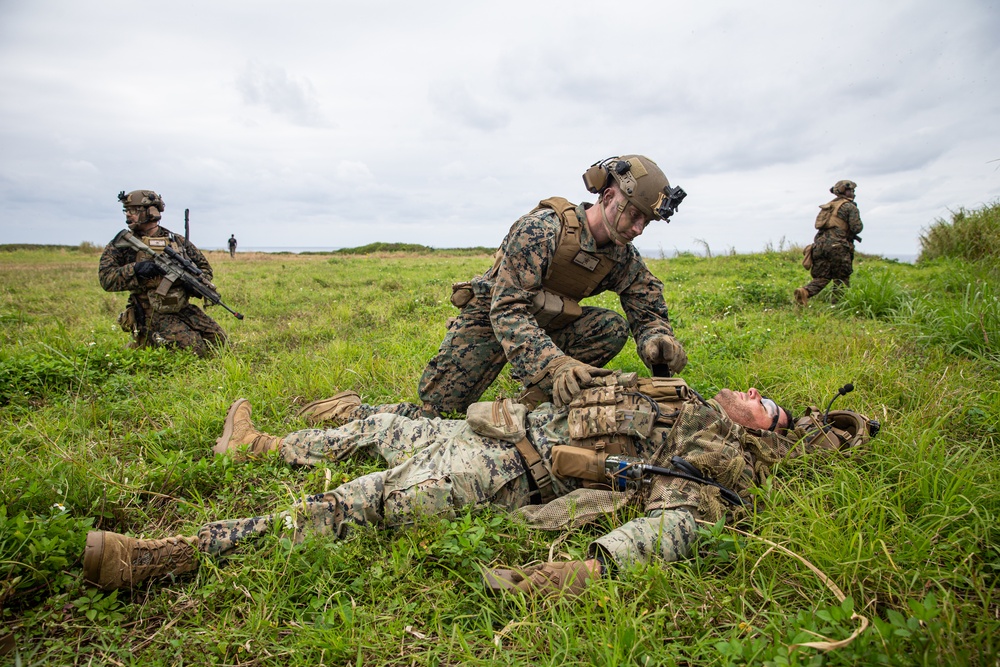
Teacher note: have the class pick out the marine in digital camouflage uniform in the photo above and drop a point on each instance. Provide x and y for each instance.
(525, 309)
(187, 328)
(440, 466)
(838, 227)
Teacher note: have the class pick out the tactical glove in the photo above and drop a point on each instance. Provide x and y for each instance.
(147, 270)
(569, 376)
(664, 350)
(567, 578)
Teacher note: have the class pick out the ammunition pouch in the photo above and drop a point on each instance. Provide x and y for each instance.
(807, 257)
(670, 395)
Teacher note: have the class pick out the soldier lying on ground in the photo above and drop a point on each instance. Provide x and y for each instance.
(525, 309)
(549, 465)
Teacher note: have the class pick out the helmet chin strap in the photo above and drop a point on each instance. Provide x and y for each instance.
(613, 229)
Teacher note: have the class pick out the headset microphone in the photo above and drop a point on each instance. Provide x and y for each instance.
(843, 391)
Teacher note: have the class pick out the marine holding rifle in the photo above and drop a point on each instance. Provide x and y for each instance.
(159, 311)
(525, 310)
(652, 443)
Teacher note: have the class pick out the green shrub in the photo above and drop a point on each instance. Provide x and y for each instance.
(971, 235)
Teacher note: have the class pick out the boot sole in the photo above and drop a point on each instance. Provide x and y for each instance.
(93, 554)
(222, 443)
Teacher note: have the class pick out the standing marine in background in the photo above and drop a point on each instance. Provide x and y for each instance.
(525, 310)
(831, 255)
(232, 245)
(152, 318)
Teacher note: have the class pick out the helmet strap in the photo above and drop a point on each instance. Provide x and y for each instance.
(613, 229)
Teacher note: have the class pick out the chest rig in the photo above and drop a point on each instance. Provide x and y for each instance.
(609, 419)
(163, 297)
(573, 273)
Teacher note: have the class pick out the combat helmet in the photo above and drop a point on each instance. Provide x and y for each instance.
(841, 186)
(148, 202)
(642, 182)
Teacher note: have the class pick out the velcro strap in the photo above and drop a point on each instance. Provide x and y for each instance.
(537, 469)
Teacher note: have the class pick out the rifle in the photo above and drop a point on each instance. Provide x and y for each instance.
(176, 268)
(622, 469)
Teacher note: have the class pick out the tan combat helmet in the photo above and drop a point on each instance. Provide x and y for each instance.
(642, 182)
(149, 203)
(840, 187)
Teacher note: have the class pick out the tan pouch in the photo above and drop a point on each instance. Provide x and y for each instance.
(553, 311)
(461, 294)
(502, 419)
(126, 319)
(807, 257)
(587, 464)
(670, 395)
(173, 301)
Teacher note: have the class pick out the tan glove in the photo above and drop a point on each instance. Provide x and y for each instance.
(566, 578)
(664, 350)
(337, 409)
(569, 376)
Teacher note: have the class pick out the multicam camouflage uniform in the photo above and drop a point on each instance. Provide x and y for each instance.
(189, 328)
(497, 326)
(833, 250)
(443, 465)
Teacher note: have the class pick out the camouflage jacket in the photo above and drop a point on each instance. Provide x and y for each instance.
(849, 213)
(117, 267)
(526, 253)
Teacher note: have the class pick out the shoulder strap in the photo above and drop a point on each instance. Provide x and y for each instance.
(573, 272)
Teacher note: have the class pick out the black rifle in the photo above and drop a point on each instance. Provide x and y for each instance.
(176, 269)
(621, 469)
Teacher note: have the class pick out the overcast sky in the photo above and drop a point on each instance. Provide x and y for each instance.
(338, 124)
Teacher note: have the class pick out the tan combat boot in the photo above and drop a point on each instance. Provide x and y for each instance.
(801, 296)
(239, 437)
(337, 409)
(113, 561)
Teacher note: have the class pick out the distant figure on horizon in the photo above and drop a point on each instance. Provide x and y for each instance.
(232, 245)
(525, 310)
(153, 318)
(831, 254)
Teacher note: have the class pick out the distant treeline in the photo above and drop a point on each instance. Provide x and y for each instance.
(411, 248)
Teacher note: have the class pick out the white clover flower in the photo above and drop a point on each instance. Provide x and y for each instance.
(59, 507)
(289, 523)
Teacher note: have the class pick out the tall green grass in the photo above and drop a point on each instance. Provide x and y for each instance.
(95, 435)
(972, 235)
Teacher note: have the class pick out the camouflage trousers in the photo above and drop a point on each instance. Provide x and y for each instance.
(439, 466)
(667, 535)
(831, 262)
(471, 357)
(189, 329)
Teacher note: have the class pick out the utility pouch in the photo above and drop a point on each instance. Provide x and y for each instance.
(461, 294)
(586, 464)
(502, 419)
(552, 311)
(173, 300)
(670, 395)
(807, 257)
(127, 320)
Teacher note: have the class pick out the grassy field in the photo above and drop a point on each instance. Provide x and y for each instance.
(93, 435)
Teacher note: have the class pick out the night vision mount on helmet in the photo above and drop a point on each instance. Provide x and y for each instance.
(642, 182)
